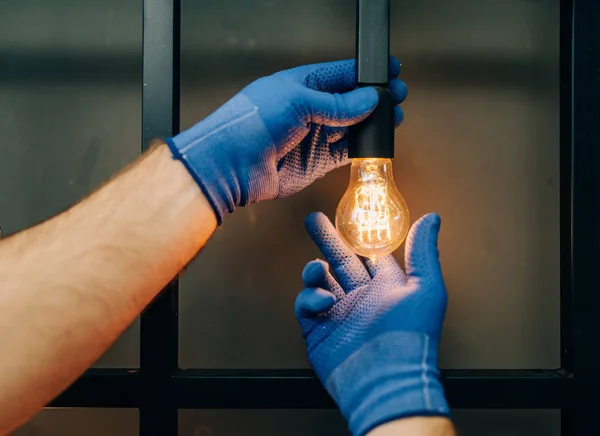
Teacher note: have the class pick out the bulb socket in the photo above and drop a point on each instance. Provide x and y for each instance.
(374, 137)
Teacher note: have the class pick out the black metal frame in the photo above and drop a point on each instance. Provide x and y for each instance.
(159, 388)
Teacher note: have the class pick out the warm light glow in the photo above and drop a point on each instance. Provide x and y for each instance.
(372, 217)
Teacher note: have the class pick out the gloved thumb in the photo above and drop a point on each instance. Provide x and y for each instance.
(421, 252)
(340, 110)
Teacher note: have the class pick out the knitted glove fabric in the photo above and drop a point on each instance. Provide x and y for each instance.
(279, 134)
(372, 331)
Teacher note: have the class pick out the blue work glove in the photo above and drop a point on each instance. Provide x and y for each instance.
(372, 334)
(279, 134)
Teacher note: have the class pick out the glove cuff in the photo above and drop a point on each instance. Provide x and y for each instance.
(220, 155)
(393, 376)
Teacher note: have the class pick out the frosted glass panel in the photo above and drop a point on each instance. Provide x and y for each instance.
(480, 146)
(77, 422)
(331, 423)
(70, 110)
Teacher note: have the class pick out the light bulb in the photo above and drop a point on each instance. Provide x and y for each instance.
(372, 217)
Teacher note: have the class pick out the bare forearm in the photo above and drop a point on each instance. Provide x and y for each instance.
(71, 285)
(417, 426)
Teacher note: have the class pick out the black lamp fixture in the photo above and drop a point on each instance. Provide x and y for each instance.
(372, 217)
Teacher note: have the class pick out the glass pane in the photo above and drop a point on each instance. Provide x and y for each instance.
(507, 422)
(479, 146)
(70, 104)
(261, 423)
(77, 422)
(331, 423)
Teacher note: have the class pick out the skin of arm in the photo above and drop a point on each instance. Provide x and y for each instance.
(71, 285)
(97, 265)
(417, 426)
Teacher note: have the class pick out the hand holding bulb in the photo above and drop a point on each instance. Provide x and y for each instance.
(280, 133)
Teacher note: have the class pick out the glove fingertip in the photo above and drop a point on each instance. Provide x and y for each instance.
(398, 116)
(426, 227)
(312, 220)
(360, 103)
(314, 272)
(399, 90)
(394, 66)
(315, 222)
(421, 245)
(435, 220)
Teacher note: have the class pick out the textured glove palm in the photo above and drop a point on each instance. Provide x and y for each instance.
(372, 335)
(279, 134)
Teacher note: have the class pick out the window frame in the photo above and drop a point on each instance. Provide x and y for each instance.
(159, 388)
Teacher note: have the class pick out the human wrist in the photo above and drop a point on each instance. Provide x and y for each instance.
(392, 376)
(417, 426)
(172, 190)
(222, 156)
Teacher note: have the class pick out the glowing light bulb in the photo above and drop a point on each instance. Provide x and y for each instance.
(372, 217)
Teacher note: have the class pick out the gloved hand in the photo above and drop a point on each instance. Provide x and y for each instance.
(279, 134)
(372, 335)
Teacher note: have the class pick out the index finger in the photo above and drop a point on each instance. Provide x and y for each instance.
(385, 265)
(349, 270)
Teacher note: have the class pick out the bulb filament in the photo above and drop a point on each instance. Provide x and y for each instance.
(371, 215)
